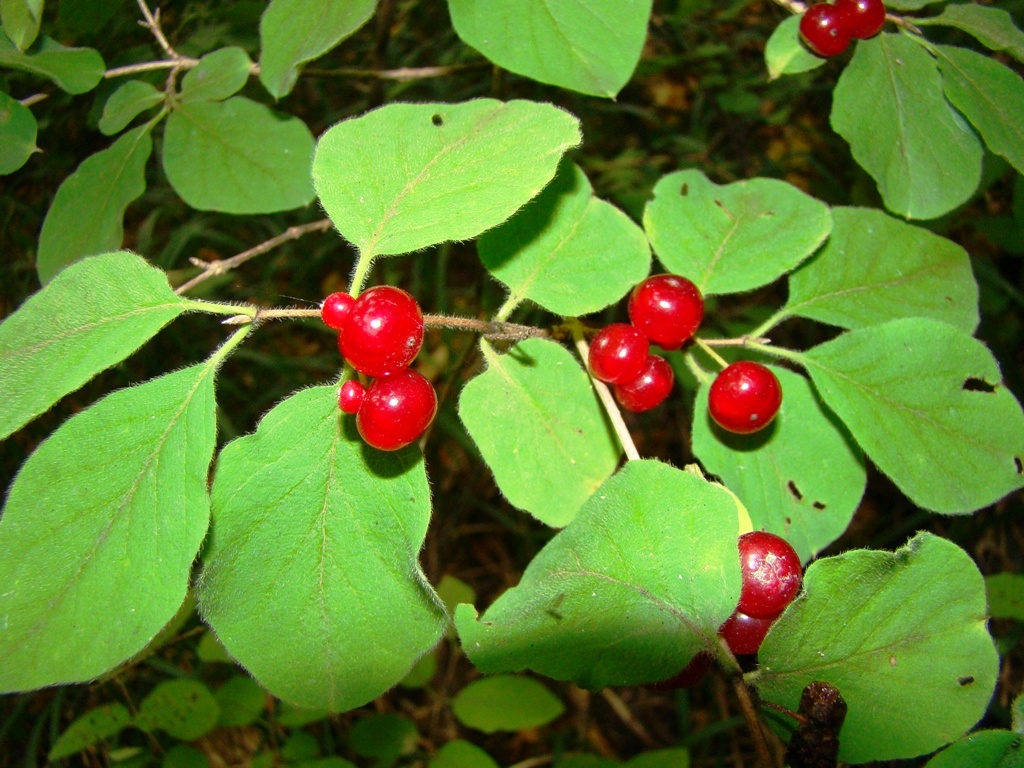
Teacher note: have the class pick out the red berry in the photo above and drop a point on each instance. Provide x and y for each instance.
(383, 331)
(690, 675)
(351, 396)
(824, 30)
(667, 309)
(396, 410)
(618, 353)
(648, 389)
(861, 18)
(335, 309)
(744, 634)
(772, 574)
(744, 397)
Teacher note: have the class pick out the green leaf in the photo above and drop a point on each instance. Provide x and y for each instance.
(539, 426)
(185, 756)
(460, 753)
(590, 46)
(20, 20)
(241, 701)
(908, 5)
(992, 27)
(422, 672)
(18, 130)
(184, 708)
(926, 403)
(94, 314)
(627, 593)
(126, 103)
(801, 477)
(889, 105)
(734, 237)
(237, 156)
(291, 716)
(506, 703)
(785, 54)
(293, 32)
(218, 75)
(983, 749)
(312, 580)
(86, 16)
(463, 169)
(1005, 595)
(94, 726)
(100, 530)
(75, 70)
(87, 214)
(990, 95)
(211, 651)
(876, 268)
(566, 250)
(385, 737)
(901, 635)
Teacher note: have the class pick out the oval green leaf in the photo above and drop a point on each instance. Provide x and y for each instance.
(126, 103)
(901, 635)
(506, 703)
(100, 530)
(18, 129)
(241, 701)
(312, 579)
(734, 237)
(627, 593)
(566, 250)
(539, 426)
(590, 46)
(385, 737)
(20, 20)
(464, 169)
(992, 27)
(983, 749)
(217, 76)
(876, 268)
(74, 70)
(460, 753)
(94, 314)
(890, 107)
(927, 404)
(1005, 595)
(88, 729)
(183, 708)
(785, 53)
(801, 477)
(237, 156)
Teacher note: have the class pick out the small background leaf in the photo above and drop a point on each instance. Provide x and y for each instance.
(459, 753)
(185, 709)
(20, 20)
(385, 737)
(983, 749)
(506, 703)
(217, 76)
(785, 54)
(992, 27)
(74, 70)
(87, 729)
(126, 103)
(18, 130)
(1005, 595)
(241, 701)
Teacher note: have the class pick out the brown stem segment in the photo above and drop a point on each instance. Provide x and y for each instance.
(764, 754)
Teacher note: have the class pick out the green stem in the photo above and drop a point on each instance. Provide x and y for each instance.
(701, 375)
(768, 324)
(228, 346)
(507, 308)
(711, 353)
(360, 273)
(786, 354)
(214, 308)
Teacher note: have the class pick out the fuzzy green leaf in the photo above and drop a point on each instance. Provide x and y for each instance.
(218, 75)
(590, 46)
(627, 593)
(94, 314)
(506, 703)
(312, 580)
(20, 20)
(18, 129)
(87, 214)
(293, 32)
(237, 156)
(801, 477)
(927, 404)
(74, 70)
(734, 237)
(889, 105)
(982, 749)
(406, 176)
(87, 729)
(100, 530)
(992, 27)
(566, 250)
(538, 424)
(876, 268)
(183, 708)
(901, 635)
(126, 103)
(785, 54)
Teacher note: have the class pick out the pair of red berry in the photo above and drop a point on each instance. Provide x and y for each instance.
(665, 310)
(829, 29)
(771, 578)
(379, 335)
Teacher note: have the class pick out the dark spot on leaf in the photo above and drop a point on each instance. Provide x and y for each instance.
(1020, 465)
(685, 190)
(965, 680)
(789, 521)
(818, 505)
(437, 120)
(794, 490)
(949, 299)
(978, 385)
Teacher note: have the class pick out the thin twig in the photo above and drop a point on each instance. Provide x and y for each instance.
(182, 62)
(793, 6)
(152, 23)
(741, 341)
(764, 754)
(35, 98)
(622, 712)
(401, 74)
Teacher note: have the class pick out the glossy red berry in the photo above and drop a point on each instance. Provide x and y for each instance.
(861, 18)
(335, 309)
(382, 332)
(744, 397)
(396, 410)
(689, 676)
(744, 634)
(649, 389)
(618, 353)
(667, 309)
(351, 396)
(823, 29)
(772, 574)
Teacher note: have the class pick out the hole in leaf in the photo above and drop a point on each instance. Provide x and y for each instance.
(685, 190)
(818, 505)
(437, 120)
(1020, 465)
(967, 680)
(978, 385)
(794, 490)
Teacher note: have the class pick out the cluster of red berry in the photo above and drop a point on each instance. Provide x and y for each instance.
(771, 578)
(379, 335)
(829, 29)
